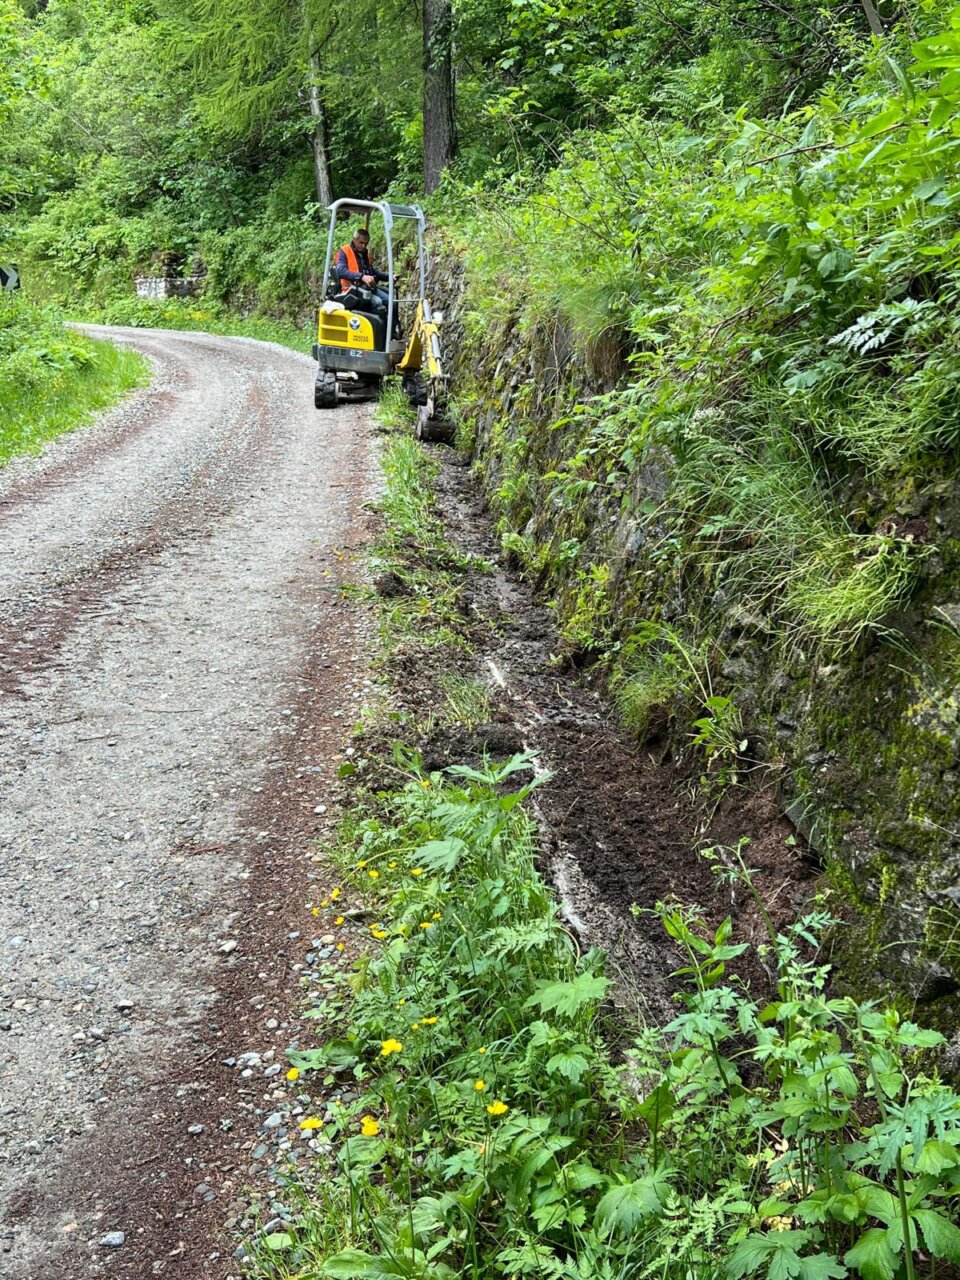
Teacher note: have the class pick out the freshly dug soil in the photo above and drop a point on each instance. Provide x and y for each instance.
(622, 824)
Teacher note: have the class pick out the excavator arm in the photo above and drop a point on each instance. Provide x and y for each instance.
(423, 357)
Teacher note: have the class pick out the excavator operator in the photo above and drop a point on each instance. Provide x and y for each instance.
(356, 271)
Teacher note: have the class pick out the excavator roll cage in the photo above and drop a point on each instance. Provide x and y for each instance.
(356, 347)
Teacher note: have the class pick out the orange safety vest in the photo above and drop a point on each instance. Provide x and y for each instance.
(353, 264)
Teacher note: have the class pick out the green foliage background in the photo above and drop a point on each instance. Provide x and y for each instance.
(709, 352)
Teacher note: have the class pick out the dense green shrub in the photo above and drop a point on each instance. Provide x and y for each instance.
(783, 294)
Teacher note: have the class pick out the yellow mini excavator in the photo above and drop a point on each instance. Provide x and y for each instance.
(358, 342)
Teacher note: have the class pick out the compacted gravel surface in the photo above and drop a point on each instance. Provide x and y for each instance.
(178, 670)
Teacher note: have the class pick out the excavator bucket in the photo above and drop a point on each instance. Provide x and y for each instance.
(422, 369)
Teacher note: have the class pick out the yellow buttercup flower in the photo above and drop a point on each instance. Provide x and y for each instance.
(325, 902)
(340, 920)
(401, 1003)
(417, 871)
(424, 782)
(339, 946)
(374, 875)
(428, 1022)
(369, 1127)
(361, 865)
(293, 1074)
(481, 1051)
(498, 1108)
(426, 924)
(315, 911)
(390, 1046)
(392, 865)
(479, 1085)
(311, 1122)
(334, 894)
(378, 933)
(437, 915)
(414, 1026)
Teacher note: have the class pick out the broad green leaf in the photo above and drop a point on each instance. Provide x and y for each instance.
(821, 1266)
(582, 1176)
(441, 855)
(278, 1240)
(929, 188)
(351, 1263)
(872, 1256)
(572, 1066)
(941, 1236)
(748, 1257)
(569, 997)
(339, 1055)
(623, 1208)
(892, 115)
(937, 1156)
(658, 1106)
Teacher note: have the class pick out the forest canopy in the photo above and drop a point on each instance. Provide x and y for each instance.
(139, 132)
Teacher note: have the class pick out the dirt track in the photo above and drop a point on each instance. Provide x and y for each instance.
(177, 672)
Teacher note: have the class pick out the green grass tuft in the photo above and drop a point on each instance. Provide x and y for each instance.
(60, 388)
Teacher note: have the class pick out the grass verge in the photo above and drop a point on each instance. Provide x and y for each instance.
(55, 381)
(501, 1121)
(197, 315)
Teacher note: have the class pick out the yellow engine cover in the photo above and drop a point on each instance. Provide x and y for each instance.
(345, 329)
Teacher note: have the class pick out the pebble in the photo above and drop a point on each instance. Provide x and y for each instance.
(194, 1128)
(225, 948)
(273, 1121)
(113, 1240)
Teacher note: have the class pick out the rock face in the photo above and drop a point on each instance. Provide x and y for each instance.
(865, 747)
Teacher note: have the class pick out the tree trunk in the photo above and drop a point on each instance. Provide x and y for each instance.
(869, 8)
(439, 132)
(321, 160)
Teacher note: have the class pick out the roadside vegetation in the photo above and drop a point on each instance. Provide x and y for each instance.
(510, 1120)
(774, 300)
(52, 379)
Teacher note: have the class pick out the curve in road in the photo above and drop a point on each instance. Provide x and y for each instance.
(177, 669)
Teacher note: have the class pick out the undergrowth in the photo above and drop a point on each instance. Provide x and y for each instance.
(745, 345)
(421, 572)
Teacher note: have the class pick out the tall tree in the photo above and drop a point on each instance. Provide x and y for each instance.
(439, 129)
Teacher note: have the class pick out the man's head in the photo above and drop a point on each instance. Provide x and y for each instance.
(361, 238)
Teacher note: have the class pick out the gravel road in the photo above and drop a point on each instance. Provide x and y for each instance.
(178, 669)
